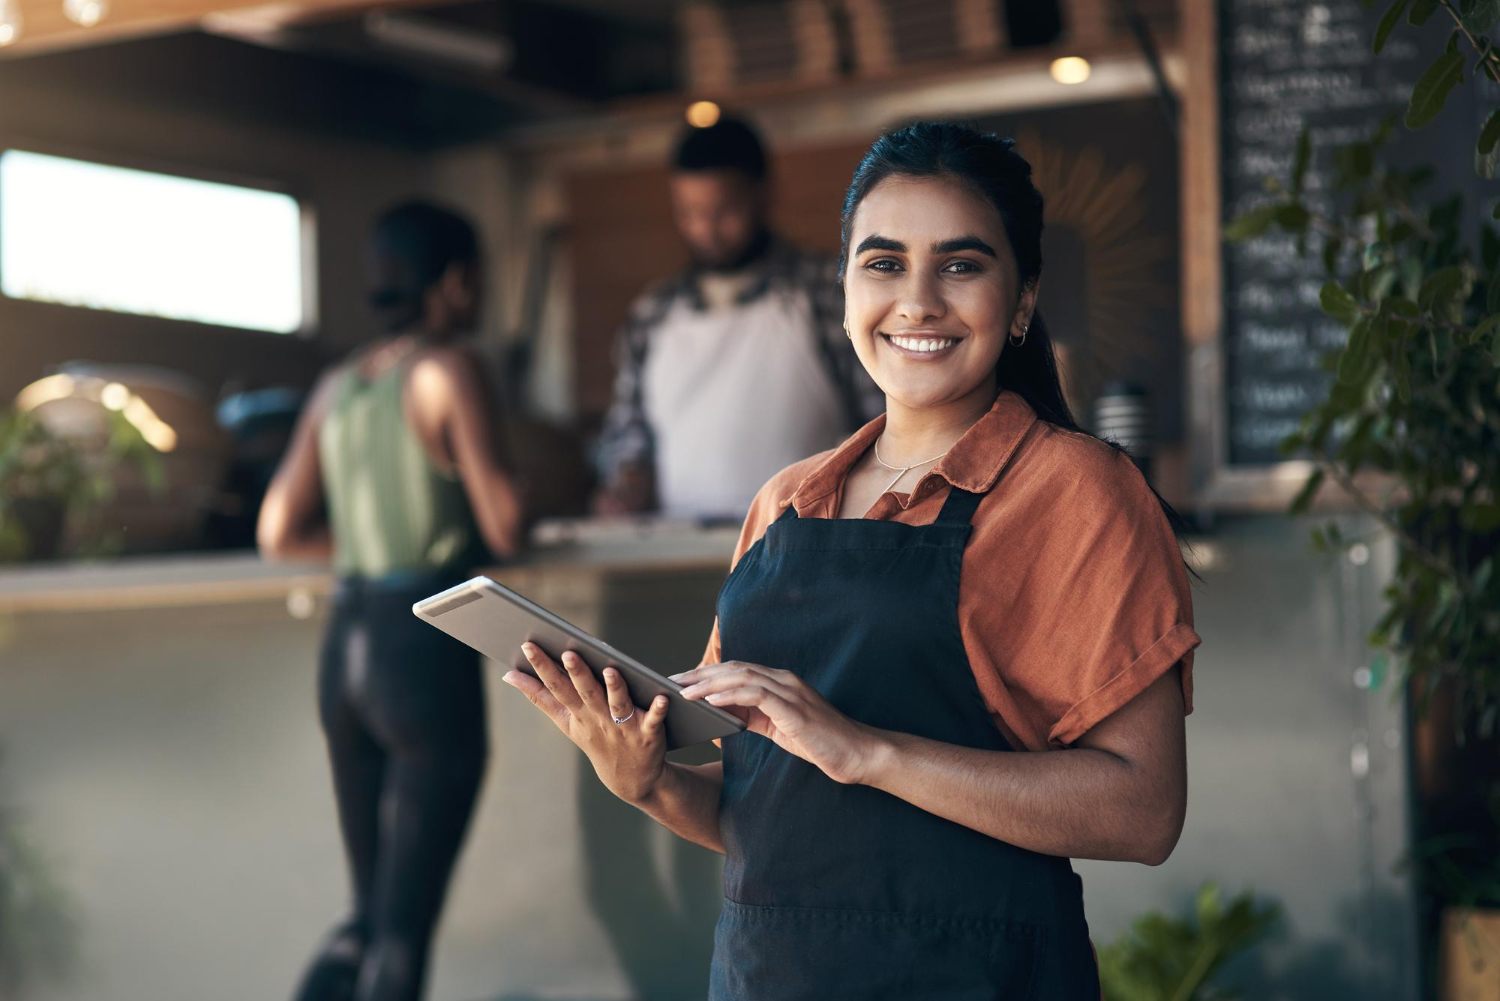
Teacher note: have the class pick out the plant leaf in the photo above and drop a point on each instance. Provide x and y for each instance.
(1481, 518)
(1304, 496)
(1431, 91)
(1387, 23)
(1489, 327)
(1440, 288)
(1337, 303)
(1421, 11)
(1252, 223)
(1354, 363)
(1489, 135)
(1487, 150)
(1482, 17)
(1292, 217)
(1303, 155)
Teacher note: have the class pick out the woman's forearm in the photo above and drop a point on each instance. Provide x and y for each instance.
(308, 544)
(686, 802)
(1078, 803)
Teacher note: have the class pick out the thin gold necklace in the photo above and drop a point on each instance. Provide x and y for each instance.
(904, 469)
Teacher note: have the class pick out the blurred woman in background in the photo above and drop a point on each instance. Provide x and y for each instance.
(396, 474)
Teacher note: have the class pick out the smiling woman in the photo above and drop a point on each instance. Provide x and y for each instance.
(891, 644)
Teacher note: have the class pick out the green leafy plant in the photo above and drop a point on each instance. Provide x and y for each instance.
(38, 927)
(45, 480)
(1165, 958)
(1410, 428)
(1414, 407)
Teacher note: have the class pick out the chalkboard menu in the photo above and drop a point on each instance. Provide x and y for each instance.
(1286, 64)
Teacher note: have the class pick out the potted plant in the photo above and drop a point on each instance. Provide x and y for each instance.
(48, 481)
(1414, 407)
(1166, 958)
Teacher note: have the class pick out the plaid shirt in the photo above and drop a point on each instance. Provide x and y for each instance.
(627, 436)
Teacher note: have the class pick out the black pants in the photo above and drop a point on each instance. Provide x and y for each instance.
(402, 706)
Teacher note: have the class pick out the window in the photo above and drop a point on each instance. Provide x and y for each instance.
(86, 234)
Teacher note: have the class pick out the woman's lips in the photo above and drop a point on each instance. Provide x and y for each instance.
(924, 347)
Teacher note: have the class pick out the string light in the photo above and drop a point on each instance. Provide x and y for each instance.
(702, 114)
(10, 21)
(113, 395)
(86, 12)
(1070, 69)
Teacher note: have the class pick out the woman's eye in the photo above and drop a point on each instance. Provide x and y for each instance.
(883, 264)
(961, 267)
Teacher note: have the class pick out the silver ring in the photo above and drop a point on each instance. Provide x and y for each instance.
(626, 719)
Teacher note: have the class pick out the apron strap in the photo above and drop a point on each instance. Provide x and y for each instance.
(790, 514)
(959, 508)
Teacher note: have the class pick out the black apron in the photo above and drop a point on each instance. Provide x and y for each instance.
(845, 891)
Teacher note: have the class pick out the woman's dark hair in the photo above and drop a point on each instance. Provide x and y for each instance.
(990, 166)
(411, 246)
(728, 144)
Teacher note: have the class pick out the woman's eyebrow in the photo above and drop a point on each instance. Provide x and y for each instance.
(880, 243)
(964, 243)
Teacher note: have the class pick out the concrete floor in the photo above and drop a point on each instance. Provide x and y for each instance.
(170, 763)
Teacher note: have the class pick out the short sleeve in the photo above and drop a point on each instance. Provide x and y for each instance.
(1098, 608)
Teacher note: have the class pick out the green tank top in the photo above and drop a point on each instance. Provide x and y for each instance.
(390, 510)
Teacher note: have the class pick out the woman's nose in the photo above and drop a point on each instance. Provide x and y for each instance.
(921, 300)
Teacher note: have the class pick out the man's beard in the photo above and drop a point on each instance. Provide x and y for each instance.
(752, 252)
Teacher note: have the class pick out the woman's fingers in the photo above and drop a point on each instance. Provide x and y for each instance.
(617, 694)
(537, 693)
(584, 682)
(553, 676)
(723, 677)
(762, 697)
(656, 717)
(650, 720)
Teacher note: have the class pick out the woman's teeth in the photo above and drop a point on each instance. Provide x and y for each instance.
(923, 343)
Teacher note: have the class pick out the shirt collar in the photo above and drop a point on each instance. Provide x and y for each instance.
(777, 262)
(973, 463)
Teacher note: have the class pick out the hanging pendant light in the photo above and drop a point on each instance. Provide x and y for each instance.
(86, 12)
(10, 21)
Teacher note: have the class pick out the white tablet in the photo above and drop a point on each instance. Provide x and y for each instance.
(495, 620)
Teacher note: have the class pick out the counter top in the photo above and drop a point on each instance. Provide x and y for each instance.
(560, 549)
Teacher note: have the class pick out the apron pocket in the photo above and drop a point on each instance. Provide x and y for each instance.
(814, 954)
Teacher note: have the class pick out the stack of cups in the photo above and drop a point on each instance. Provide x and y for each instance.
(1122, 414)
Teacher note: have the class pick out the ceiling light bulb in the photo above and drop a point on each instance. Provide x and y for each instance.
(1070, 69)
(702, 114)
(10, 21)
(86, 12)
(115, 396)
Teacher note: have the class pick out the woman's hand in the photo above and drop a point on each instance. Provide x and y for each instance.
(783, 707)
(628, 757)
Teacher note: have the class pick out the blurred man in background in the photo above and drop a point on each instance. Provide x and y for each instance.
(736, 368)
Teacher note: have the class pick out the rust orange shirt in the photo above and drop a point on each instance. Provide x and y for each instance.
(1073, 595)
